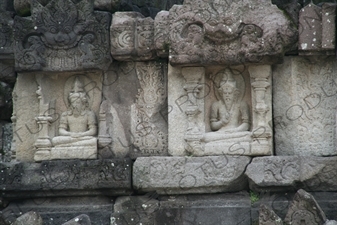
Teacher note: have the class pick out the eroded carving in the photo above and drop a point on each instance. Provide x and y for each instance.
(148, 125)
(77, 128)
(214, 32)
(132, 36)
(62, 36)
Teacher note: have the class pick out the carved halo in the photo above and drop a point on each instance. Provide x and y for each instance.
(89, 88)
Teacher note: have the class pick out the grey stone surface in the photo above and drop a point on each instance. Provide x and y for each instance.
(281, 173)
(304, 109)
(76, 38)
(6, 34)
(134, 210)
(79, 220)
(132, 37)
(330, 222)
(66, 177)
(134, 114)
(7, 73)
(268, 217)
(280, 202)
(57, 211)
(29, 218)
(6, 135)
(204, 33)
(182, 175)
(161, 33)
(226, 209)
(317, 29)
(304, 208)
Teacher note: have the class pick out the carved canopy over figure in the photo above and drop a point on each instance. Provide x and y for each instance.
(78, 125)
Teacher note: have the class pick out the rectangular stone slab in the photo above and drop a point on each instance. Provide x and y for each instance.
(182, 175)
(66, 177)
(282, 173)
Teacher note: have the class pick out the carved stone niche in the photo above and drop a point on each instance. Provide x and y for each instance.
(213, 32)
(132, 37)
(56, 115)
(220, 110)
(133, 116)
(63, 35)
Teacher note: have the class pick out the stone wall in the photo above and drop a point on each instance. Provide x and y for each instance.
(168, 112)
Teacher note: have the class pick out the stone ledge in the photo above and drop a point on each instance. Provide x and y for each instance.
(184, 175)
(285, 173)
(65, 177)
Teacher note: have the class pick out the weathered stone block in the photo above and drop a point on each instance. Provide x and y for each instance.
(53, 178)
(6, 34)
(161, 33)
(134, 120)
(268, 217)
(62, 36)
(181, 175)
(217, 111)
(79, 220)
(304, 108)
(66, 210)
(134, 210)
(227, 209)
(280, 173)
(317, 29)
(220, 32)
(132, 37)
(29, 218)
(43, 105)
(304, 208)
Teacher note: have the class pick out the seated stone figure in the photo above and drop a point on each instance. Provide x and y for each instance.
(78, 125)
(229, 115)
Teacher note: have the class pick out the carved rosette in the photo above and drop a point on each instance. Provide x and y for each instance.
(148, 125)
(229, 32)
(132, 37)
(195, 104)
(62, 36)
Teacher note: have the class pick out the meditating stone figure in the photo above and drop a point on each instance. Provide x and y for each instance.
(229, 115)
(78, 125)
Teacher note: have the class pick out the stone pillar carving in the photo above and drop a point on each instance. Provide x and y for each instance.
(43, 144)
(148, 125)
(193, 87)
(13, 118)
(262, 110)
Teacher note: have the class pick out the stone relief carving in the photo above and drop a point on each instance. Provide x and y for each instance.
(221, 32)
(77, 128)
(148, 125)
(173, 175)
(230, 114)
(132, 37)
(304, 123)
(62, 36)
(161, 33)
(227, 110)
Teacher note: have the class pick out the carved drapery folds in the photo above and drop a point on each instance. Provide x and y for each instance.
(229, 32)
(62, 36)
